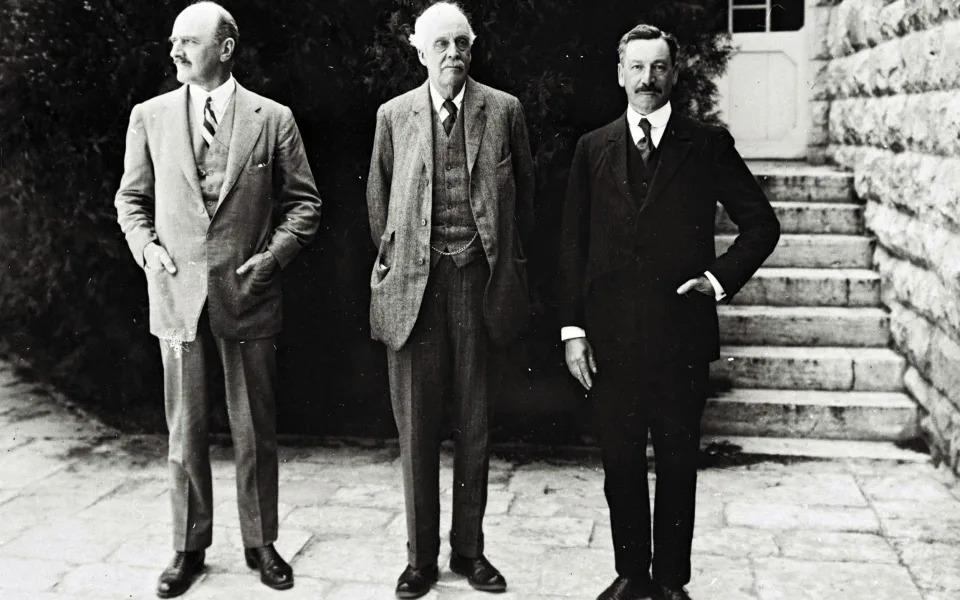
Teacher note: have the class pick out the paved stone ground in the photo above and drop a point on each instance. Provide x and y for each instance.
(84, 514)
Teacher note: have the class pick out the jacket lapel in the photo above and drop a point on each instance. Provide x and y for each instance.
(247, 124)
(182, 141)
(474, 111)
(674, 147)
(616, 156)
(423, 125)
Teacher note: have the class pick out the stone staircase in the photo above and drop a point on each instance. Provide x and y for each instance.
(805, 351)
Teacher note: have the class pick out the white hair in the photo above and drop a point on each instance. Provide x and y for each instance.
(428, 20)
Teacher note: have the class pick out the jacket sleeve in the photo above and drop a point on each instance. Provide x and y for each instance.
(380, 177)
(524, 174)
(297, 193)
(135, 198)
(575, 241)
(748, 207)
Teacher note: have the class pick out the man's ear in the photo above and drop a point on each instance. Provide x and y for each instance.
(422, 57)
(620, 74)
(226, 49)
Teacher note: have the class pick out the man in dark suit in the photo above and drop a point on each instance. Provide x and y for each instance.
(450, 196)
(640, 277)
(216, 198)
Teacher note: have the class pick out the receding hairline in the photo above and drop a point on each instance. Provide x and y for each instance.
(426, 22)
(225, 26)
(649, 32)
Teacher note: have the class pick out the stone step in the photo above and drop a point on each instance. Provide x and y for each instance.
(809, 368)
(807, 217)
(786, 181)
(811, 287)
(804, 326)
(807, 448)
(814, 251)
(890, 416)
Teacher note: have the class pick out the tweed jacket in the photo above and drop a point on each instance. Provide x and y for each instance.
(622, 257)
(400, 196)
(268, 201)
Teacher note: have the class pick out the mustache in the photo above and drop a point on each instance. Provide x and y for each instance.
(648, 88)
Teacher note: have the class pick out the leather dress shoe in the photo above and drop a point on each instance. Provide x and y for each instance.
(672, 593)
(480, 574)
(414, 583)
(628, 588)
(274, 571)
(178, 576)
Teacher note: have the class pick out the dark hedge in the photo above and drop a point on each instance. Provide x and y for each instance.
(73, 302)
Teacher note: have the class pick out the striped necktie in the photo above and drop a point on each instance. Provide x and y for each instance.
(451, 115)
(209, 128)
(645, 145)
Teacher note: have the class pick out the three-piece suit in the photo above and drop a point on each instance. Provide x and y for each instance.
(213, 206)
(633, 231)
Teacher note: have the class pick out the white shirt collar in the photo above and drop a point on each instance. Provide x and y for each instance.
(658, 122)
(438, 100)
(220, 98)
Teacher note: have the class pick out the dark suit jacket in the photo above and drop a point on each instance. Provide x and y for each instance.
(622, 260)
(400, 196)
(268, 202)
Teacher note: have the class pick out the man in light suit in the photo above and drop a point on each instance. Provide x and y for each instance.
(216, 198)
(450, 197)
(640, 277)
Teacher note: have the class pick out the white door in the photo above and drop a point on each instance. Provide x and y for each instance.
(763, 94)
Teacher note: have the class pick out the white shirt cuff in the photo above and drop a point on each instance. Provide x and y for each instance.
(717, 288)
(570, 332)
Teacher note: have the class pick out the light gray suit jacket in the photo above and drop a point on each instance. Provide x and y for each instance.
(268, 202)
(400, 196)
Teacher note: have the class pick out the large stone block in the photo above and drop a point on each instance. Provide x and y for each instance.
(924, 243)
(907, 283)
(942, 422)
(911, 335)
(944, 371)
(923, 185)
(934, 119)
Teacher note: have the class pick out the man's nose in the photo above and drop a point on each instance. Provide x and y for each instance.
(176, 50)
(647, 75)
(453, 51)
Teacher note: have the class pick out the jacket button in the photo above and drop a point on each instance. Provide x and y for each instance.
(449, 167)
(423, 221)
(422, 261)
(202, 209)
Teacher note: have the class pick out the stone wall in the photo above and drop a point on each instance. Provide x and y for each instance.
(887, 90)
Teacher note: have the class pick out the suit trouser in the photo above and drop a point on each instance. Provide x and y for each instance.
(668, 401)
(249, 374)
(446, 354)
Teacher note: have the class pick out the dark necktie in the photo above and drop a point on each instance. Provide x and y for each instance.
(451, 116)
(645, 145)
(209, 128)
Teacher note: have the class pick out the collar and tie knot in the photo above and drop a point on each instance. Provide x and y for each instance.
(645, 146)
(451, 116)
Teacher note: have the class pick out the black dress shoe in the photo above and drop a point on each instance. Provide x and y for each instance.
(672, 593)
(178, 576)
(274, 571)
(414, 583)
(480, 574)
(628, 588)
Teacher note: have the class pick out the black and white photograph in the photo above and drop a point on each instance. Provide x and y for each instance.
(465, 299)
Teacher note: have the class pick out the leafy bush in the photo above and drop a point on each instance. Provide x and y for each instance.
(74, 303)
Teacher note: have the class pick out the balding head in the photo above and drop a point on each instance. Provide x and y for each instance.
(204, 41)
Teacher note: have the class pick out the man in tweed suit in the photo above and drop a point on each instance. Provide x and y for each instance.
(216, 198)
(450, 197)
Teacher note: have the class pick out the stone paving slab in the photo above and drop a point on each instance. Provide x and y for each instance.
(84, 514)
